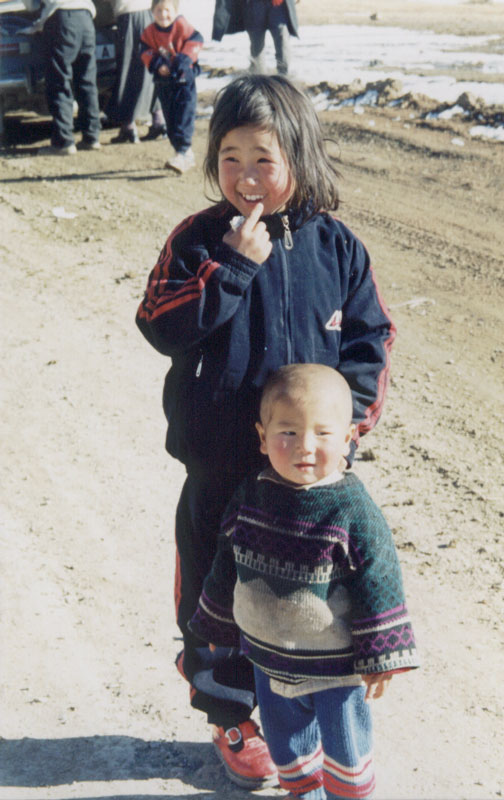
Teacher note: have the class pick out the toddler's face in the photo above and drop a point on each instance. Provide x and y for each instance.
(164, 13)
(305, 440)
(253, 169)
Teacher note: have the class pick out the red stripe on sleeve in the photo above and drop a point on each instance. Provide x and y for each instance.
(374, 410)
(158, 298)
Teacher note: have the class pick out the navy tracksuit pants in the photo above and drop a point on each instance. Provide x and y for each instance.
(222, 683)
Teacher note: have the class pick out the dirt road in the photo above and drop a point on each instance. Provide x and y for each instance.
(92, 706)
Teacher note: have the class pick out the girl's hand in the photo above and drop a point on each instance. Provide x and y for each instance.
(376, 685)
(252, 238)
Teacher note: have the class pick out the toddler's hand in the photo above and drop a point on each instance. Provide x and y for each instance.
(164, 70)
(376, 685)
(252, 238)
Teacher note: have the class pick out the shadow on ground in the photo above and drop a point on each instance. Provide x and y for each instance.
(27, 127)
(31, 763)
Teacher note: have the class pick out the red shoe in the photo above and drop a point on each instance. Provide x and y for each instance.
(245, 755)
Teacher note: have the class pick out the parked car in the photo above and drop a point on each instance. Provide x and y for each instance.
(22, 62)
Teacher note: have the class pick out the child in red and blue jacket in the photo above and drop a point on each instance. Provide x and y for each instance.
(265, 277)
(169, 49)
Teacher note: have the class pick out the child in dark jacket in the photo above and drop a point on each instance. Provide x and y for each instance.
(265, 277)
(307, 581)
(169, 49)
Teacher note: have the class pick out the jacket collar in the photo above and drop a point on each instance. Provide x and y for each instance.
(296, 216)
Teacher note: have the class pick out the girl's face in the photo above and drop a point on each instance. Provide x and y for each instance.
(164, 13)
(253, 169)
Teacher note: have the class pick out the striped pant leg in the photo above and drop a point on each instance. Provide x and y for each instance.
(345, 723)
(292, 733)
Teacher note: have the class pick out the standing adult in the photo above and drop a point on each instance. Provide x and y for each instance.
(69, 42)
(133, 95)
(257, 17)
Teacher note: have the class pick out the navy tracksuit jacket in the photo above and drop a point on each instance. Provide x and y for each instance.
(227, 322)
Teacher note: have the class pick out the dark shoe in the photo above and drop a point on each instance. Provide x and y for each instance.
(90, 144)
(130, 136)
(52, 150)
(154, 132)
(245, 755)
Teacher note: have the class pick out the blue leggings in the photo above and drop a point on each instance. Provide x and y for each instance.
(321, 743)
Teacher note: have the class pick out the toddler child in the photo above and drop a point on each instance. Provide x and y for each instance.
(307, 581)
(265, 277)
(169, 49)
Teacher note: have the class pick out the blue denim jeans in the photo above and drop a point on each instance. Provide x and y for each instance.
(321, 743)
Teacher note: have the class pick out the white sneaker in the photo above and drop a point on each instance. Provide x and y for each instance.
(181, 162)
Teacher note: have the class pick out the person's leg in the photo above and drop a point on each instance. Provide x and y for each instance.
(281, 40)
(157, 116)
(293, 737)
(278, 25)
(181, 120)
(197, 525)
(133, 94)
(136, 98)
(257, 42)
(221, 683)
(86, 90)
(157, 127)
(182, 113)
(163, 93)
(255, 19)
(118, 109)
(345, 723)
(61, 43)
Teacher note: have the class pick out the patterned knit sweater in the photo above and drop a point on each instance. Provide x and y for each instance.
(307, 582)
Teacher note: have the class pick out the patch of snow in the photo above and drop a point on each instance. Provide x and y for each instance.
(487, 132)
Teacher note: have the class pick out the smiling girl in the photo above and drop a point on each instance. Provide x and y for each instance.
(264, 277)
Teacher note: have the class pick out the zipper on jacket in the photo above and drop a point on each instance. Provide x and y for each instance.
(284, 261)
(287, 239)
(199, 367)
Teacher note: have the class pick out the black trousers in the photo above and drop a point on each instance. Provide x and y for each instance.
(69, 42)
(178, 101)
(222, 683)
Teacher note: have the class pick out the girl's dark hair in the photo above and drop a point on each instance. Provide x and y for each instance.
(275, 104)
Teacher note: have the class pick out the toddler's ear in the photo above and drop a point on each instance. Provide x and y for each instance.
(348, 439)
(262, 437)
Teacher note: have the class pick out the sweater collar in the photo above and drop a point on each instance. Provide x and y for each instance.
(269, 474)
